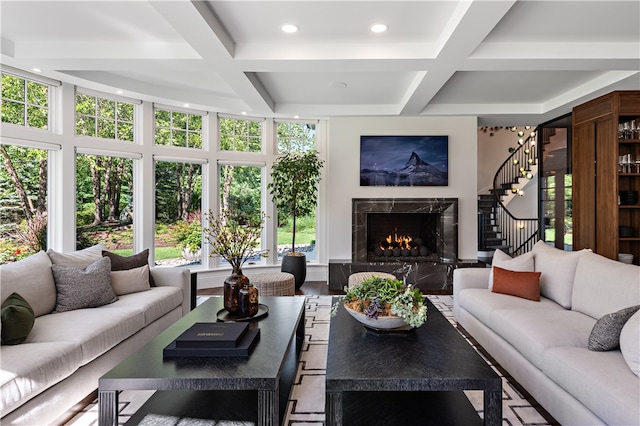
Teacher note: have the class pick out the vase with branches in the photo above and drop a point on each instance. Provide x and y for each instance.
(235, 236)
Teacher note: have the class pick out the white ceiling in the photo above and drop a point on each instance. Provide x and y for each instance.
(507, 62)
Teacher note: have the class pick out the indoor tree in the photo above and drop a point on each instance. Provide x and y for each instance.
(294, 190)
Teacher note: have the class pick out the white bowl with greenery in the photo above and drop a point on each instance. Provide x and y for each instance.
(385, 303)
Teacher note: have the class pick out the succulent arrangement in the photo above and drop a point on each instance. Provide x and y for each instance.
(376, 297)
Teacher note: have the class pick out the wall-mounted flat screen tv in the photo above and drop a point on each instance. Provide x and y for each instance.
(404, 160)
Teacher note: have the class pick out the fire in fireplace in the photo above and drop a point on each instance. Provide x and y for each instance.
(412, 236)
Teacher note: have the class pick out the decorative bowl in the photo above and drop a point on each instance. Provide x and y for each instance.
(381, 323)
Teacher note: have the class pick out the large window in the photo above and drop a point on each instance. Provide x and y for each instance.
(25, 102)
(178, 129)
(104, 202)
(104, 118)
(178, 225)
(297, 137)
(240, 135)
(23, 202)
(241, 189)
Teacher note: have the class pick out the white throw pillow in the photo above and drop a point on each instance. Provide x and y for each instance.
(522, 263)
(131, 280)
(630, 343)
(31, 278)
(558, 267)
(78, 259)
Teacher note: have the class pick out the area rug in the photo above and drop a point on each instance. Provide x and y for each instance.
(306, 406)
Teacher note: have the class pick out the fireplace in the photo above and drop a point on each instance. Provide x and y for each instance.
(429, 222)
(405, 230)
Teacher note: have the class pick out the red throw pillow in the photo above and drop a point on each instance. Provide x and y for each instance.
(516, 283)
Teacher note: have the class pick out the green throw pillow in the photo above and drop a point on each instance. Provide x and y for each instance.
(17, 319)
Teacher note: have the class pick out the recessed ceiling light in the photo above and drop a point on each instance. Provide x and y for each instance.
(379, 28)
(36, 70)
(244, 112)
(186, 105)
(119, 92)
(338, 85)
(290, 28)
(296, 116)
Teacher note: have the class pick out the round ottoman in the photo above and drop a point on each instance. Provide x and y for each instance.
(274, 284)
(358, 277)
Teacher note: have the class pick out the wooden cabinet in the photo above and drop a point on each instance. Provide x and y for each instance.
(605, 150)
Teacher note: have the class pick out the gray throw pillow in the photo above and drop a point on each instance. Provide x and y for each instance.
(605, 335)
(83, 288)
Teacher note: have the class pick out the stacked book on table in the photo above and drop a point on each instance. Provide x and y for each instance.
(209, 339)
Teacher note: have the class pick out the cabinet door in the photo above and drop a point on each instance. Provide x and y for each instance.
(583, 156)
(606, 188)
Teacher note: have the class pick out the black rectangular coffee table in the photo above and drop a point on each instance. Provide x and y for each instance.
(383, 379)
(268, 372)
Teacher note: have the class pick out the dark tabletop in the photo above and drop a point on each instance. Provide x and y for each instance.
(147, 369)
(434, 357)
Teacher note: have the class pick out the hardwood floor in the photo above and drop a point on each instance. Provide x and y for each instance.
(319, 288)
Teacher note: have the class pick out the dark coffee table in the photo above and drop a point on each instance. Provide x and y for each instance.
(257, 386)
(415, 379)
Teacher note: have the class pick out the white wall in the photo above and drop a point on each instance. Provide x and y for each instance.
(343, 178)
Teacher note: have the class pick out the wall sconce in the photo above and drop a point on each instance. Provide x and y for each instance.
(515, 161)
(521, 226)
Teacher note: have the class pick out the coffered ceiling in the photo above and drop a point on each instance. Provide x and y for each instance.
(507, 62)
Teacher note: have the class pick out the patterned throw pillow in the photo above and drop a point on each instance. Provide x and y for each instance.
(17, 319)
(125, 263)
(83, 288)
(605, 335)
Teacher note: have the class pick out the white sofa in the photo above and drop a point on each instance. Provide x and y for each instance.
(64, 355)
(544, 344)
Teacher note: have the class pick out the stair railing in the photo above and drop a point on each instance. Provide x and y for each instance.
(519, 233)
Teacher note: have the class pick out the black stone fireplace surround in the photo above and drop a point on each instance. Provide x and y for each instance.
(433, 274)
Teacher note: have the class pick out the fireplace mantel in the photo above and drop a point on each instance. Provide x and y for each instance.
(447, 226)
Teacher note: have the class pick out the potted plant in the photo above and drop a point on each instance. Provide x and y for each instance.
(294, 190)
(385, 303)
(234, 236)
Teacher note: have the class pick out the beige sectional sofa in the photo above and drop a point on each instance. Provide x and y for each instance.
(65, 353)
(544, 344)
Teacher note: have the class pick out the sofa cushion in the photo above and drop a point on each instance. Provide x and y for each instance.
(605, 334)
(95, 331)
(532, 332)
(83, 288)
(152, 304)
(523, 263)
(31, 368)
(17, 319)
(600, 380)
(558, 268)
(78, 259)
(30, 277)
(515, 283)
(130, 281)
(630, 343)
(481, 303)
(602, 285)
(124, 263)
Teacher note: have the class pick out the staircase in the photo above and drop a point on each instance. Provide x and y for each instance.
(498, 228)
